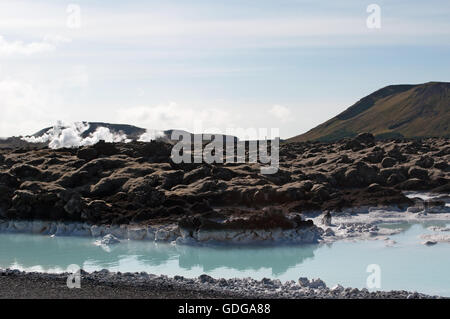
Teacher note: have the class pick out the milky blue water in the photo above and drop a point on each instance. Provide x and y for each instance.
(408, 265)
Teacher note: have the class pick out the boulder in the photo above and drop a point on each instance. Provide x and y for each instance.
(360, 174)
(337, 289)
(319, 161)
(108, 185)
(171, 178)
(425, 162)
(441, 165)
(344, 159)
(375, 157)
(429, 243)
(109, 239)
(74, 179)
(419, 173)
(74, 206)
(142, 216)
(222, 173)
(395, 152)
(176, 210)
(326, 219)
(106, 149)
(206, 279)
(201, 207)
(23, 201)
(320, 192)
(143, 190)
(388, 162)
(411, 184)
(353, 145)
(287, 192)
(392, 176)
(95, 210)
(25, 171)
(196, 174)
(374, 188)
(317, 284)
(87, 153)
(365, 138)
(303, 282)
(8, 180)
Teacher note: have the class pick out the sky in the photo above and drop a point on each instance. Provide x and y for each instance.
(210, 65)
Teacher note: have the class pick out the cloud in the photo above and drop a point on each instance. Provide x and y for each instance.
(175, 116)
(19, 47)
(30, 103)
(215, 25)
(281, 112)
(77, 76)
(48, 44)
(22, 104)
(56, 39)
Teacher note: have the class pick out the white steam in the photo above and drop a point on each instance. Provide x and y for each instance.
(70, 135)
(151, 135)
(103, 133)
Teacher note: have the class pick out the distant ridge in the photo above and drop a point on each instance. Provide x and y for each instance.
(132, 132)
(410, 111)
(125, 131)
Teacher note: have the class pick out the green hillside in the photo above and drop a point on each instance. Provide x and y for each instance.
(410, 111)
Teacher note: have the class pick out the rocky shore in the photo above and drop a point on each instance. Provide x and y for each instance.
(134, 190)
(321, 192)
(105, 284)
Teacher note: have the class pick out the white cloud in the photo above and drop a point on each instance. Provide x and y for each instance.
(56, 38)
(18, 47)
(48, 44)
(281, 112)
(30, 103)
(164, 26)
(76, 76)
(22, 104)
(175, 116)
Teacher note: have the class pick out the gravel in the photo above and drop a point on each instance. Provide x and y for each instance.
(105, 284)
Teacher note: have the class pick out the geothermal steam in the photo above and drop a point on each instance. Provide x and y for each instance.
(71, 135)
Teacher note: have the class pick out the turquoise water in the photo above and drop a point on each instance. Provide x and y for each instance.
(408, 265)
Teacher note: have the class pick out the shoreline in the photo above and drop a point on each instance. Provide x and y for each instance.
(357, 223)
(142, 285)
(104, 284)
(359, 182)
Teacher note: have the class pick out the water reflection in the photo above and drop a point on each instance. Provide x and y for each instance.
(279, 259)
(27, 251)
(407, 265)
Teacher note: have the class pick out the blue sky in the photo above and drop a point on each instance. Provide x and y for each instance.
(289, 64)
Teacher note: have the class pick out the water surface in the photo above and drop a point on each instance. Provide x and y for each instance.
(408, 265)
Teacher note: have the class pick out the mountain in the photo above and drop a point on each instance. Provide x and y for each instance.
(131, 131)
(87, 133)
(409, 111)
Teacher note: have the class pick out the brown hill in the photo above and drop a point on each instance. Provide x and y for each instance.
(409, 111)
